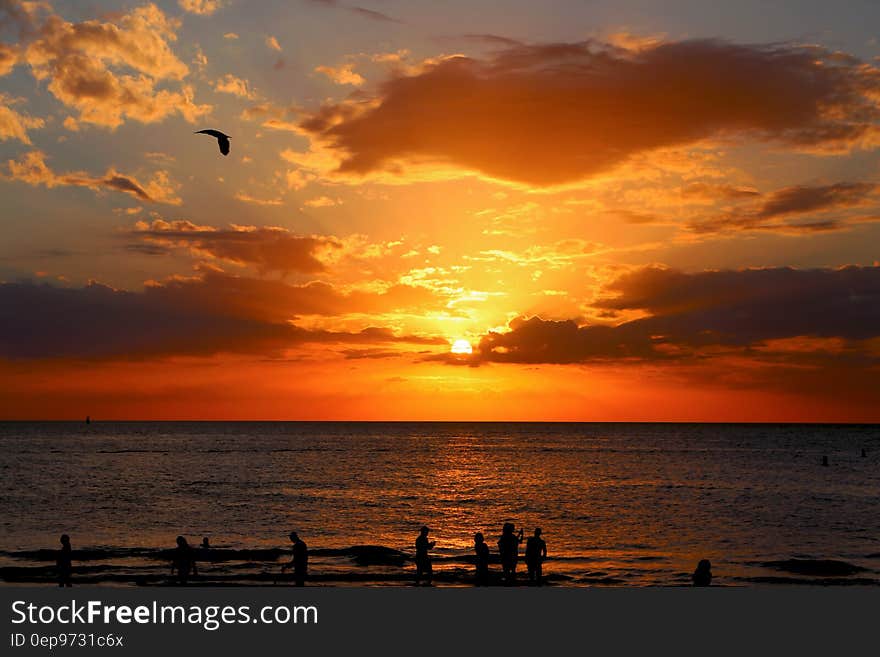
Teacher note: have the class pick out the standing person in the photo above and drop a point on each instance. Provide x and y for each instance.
(300, 560)
(203, 552)
(536, 552)
(183, 561)
(64, 562)
(423, 559)
(481, 548)
(508, 550)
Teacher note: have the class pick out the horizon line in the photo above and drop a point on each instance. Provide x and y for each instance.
(350, 421)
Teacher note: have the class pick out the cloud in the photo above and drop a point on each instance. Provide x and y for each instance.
(200, 60)
(8, 58)
(342, 74)
(266, 248)
(360, 11)
(715, 192)
(244, 197)
(148, 249)
(557, 113)
(492, 39)
(21, 17)
(801, 200)
(774, 211)
(272, 44)
(371, 353)
(273, 117)
(321, 202)
(297, 179)
(15, 125)
(201, 316)
(109, 71)
(201, 7)
(372, 14)
(229, 84)
(694, 316)
(32, 169)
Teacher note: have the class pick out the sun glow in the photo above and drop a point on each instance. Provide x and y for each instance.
(461, 347)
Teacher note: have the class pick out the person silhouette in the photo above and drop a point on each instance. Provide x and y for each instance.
(703, 574)
(64, 562)
(423, 559)
(508, 550)
(204, 550)
(300, 560)
(183, 561)
(536, 552)
(481, 548)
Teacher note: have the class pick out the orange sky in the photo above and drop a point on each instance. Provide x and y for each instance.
(649, 218)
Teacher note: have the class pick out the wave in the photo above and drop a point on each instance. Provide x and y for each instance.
(360, 554)
(812, 581)
(815, 567)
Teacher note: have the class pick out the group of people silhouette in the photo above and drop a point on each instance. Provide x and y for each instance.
(508, 552)
(184, 558)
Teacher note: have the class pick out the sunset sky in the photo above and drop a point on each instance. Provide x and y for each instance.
(623, 210)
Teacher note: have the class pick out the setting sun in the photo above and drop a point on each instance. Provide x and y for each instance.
(461, 347)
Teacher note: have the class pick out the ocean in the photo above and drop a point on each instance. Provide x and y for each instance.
(619, 504)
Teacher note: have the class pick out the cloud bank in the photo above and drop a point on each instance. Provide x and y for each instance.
(703, 315)
(551, 114)
(200, 316)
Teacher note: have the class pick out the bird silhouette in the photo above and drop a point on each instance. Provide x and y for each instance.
(222, 140)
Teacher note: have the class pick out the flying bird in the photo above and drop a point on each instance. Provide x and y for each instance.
(222, 140)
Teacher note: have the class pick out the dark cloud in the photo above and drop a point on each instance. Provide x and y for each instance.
(698, 315)
(549, 114)
(373, 15)
(801, 200)
(196, 317)
(370, 354)
(493, 39)
(148, 249)
(717, 192)
(774, 211)
(266, 248)
(123, 184)
(360, 11)
(56, 253)
(217, 292)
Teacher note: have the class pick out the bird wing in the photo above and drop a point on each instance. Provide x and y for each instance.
(224, 145)
(213, 133)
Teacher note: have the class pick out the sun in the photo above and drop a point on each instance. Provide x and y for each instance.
(461, 347)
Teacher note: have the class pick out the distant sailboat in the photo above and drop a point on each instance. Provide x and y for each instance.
(88, 419)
